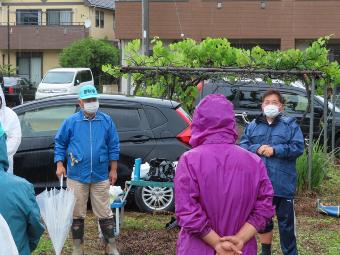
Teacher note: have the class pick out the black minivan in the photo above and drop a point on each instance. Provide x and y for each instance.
(246, 97)
(147, 127)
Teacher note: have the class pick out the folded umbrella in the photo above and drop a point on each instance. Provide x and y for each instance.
(56, 207)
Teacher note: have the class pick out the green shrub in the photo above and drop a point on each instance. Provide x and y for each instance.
(91, 53)
(321, 164)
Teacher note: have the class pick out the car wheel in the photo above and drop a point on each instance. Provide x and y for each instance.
(151, 199)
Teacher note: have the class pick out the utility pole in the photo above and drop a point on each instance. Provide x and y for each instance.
(145, 27)
(8, 43)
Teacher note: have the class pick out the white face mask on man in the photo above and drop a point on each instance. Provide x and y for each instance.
(271, 111)
(91, 107)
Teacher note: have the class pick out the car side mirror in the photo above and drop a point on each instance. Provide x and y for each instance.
(77, 82)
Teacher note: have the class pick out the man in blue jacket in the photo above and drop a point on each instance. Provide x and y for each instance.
(89, 141)
(18, 205)
(278, 140)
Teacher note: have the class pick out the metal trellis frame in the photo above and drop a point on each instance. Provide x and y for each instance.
(207, 72)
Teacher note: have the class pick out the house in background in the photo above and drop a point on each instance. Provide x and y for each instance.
(39, 30)
(271, 24)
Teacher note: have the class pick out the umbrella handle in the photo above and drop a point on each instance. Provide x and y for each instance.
(61, 181)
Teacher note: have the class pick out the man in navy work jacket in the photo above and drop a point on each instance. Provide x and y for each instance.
(89, 141)
(18, 205)
(278, 140)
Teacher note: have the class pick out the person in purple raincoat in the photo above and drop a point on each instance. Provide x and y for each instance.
(223, 194)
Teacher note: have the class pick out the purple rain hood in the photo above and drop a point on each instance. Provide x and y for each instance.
(218, 185)
(213, 122)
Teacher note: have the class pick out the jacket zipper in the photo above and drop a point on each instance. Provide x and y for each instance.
(91, 144)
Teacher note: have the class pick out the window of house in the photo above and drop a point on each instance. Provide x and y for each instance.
(28, 17)
(59, 17)
(29, 65)
(100, 19)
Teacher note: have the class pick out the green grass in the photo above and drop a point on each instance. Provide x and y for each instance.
(331, 187)
(316, 233)
(44, 245)
(146, 221)
(320, 235)
(321, 165)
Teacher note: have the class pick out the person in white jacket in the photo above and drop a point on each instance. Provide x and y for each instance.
(11, 124)
(7, 243)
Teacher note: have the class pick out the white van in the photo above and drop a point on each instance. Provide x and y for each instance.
(64, 81)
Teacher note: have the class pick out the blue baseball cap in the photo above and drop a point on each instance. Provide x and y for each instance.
(88, 91)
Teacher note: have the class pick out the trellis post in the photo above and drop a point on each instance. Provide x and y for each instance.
(311, 135)
(325, 119)
(129, 84)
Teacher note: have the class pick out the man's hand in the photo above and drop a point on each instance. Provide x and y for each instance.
(227, 248)
(261, 149)
(265, 150)
(113, 177)
(113, 172)
(268, 152)
(60, 169)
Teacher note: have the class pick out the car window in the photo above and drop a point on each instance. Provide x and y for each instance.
(125, 119)
(86, 76)
(229, 92)
(295, 103)
(78, 77)
(220, 88)
(240, 126)
(330, 105)
(58, 77)
(154, 116)
(10, 81)
(26, 81)
(44, 121)
(250, 100)
(22, 82)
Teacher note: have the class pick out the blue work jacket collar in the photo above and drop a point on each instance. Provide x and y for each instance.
(262, 118)
(96, 117)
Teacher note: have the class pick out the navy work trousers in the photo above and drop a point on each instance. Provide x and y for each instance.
(286, 220)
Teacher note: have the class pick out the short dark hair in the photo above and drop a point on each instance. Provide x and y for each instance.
(273, 92)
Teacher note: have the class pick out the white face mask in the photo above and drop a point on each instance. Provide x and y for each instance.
(271, 111)
(91, 107)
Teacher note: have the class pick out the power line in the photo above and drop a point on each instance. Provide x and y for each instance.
(178, 19)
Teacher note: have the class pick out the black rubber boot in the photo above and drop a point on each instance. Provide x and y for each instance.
(78, 236)
(266, 249)
(107, 228)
